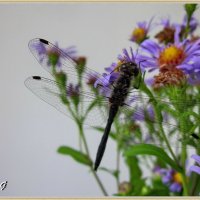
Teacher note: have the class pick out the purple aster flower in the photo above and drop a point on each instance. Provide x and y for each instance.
(125, 57)
(100, 83)
(113, 70)
(112, 73)
(172, 179)
(196, 168)
(139, 34)
(106, 79)
(180, 55)
(103, 83)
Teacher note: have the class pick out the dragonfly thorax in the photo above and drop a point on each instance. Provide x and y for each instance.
(129, 69)
(123, 83)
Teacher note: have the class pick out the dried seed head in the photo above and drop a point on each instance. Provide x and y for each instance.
(167, 77)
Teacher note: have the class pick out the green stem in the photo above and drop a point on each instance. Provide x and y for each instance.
(194, 185)
(80, 143)
(158, 116)
(183, 160)
(91, 166)
(117, 166)
(184, 181)
(162, 132)
(187, 28)
(167, 143)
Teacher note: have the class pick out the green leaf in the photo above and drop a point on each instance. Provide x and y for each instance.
(148, 149)
(76, 155)
(135, 172)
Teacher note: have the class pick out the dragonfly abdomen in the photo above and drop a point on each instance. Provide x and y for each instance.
(102, 146)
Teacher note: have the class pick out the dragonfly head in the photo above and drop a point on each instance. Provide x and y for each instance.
(129, 68)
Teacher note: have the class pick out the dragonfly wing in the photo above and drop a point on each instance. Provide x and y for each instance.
(169, 109)
(49, 91)
(41, 49)
(136, 96)
(146, 128)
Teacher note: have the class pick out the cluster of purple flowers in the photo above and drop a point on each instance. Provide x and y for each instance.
(175, 55)
(171, 178)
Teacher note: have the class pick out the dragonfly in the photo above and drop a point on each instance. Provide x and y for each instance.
(117, 96)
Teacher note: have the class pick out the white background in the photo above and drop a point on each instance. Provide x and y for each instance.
(31, 130)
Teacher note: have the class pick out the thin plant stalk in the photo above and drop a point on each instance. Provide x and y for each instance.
(91, 166)
(82, 139)
(118, 166)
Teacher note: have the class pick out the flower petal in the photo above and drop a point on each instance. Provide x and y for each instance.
(176, 34)
(149, 81)
(175, 187)
(193, 47)
(185, 67)
(195, 169)
(196, 158)
(151, 47)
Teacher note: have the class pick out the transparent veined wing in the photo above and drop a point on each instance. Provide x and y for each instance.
(50, 92)
(143, 113)
(42, 49)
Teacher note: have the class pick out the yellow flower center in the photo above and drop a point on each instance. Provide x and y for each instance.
(177, 177)
(139, 34)
(171, 56)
